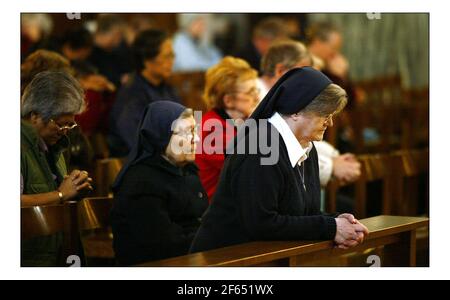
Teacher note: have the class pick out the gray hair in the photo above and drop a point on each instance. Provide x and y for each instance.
(52, 94)
(330, 101)
(285, 52)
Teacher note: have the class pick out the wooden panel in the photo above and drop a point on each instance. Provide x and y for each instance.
(384, 230)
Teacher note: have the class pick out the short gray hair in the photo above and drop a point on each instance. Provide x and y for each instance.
(52, 94)
(286, 52)
(331, 100)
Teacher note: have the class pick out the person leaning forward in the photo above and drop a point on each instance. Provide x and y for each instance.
(256, 200)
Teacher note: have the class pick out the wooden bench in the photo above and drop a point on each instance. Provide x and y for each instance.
(95, 230)
(38, 221)
(396, 236)
(105, 173)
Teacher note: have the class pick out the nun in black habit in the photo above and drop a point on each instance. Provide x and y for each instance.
(158, 196)
(279, 201)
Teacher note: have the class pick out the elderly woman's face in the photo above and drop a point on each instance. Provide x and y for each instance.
(183, 142)
(52, 131)
(311, 127)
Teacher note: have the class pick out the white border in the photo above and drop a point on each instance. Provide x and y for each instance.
(10, 159)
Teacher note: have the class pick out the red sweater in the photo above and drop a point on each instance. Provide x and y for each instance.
(213, 140)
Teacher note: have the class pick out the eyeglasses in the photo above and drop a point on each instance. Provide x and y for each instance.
(188, 134)
(65, 127)
(252, 92)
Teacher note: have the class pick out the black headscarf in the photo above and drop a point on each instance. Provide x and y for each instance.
(292, 92)
(155, 131)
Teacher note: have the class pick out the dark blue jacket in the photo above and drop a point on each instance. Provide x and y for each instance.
(128, 108)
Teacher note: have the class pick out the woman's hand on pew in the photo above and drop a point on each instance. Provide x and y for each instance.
(349, 231)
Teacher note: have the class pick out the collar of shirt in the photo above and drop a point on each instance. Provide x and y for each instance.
(42, 145)
(297, 154)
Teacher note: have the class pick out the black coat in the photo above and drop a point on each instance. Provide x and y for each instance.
(264, 202)
(156, 211)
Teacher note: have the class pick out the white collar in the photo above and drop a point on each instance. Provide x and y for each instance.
(297, 154)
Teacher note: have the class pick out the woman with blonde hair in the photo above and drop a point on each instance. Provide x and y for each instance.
(231, 95)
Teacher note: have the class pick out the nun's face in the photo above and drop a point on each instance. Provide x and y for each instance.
(183, 142)
(311, 127)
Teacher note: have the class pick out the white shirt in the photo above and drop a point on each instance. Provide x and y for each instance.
(326, 153)
(297, 154)
(263, 88)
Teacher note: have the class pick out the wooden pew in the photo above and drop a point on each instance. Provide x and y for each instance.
(407, 166)
(399, 173)
(396, 236)
(95, 230)
(105, 173)
(374, 167)
(37, 221)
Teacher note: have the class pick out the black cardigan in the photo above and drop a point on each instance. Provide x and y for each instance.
(156, 211)
(264, 202)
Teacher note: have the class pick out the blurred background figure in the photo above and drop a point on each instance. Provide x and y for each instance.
(35, 32)
(107, 38)
(154, 58)
(280, 58)
(77, 44)
(264, 34)
(194, 50)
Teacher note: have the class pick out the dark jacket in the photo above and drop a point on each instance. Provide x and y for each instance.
(264, 202)
(128, 108)
(156, 211)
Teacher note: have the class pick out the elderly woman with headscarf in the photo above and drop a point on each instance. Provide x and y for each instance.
(275, 195)
(158, 197)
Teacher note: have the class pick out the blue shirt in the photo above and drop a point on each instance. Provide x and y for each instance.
(193, 56)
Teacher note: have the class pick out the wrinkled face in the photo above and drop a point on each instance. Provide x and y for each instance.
(244, 98)
(161, 65)
(52, 131)
(311, 127)
(183, 142)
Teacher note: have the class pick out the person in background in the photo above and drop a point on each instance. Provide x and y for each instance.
(231, 94)
(282, 57)
(264, 34)
(107, 38)
(192, 45)
(49, 105)
(35, 31)
(77, 44)
(158, 197)
(153, 56)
